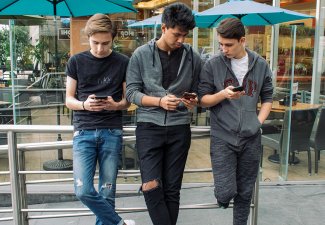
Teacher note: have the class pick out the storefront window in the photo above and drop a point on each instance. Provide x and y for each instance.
(41, 51)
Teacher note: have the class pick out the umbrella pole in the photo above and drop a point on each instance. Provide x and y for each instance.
(56, 58)
(59, 163)
(155, 31)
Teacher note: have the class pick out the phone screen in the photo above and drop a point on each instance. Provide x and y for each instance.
(101, 97)
(187, 95)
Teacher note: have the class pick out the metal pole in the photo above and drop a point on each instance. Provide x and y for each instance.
(318, 52)
(255, 199)
(284, 160)
(60, 153)
(22, 184)
(274, 55)
(155, 31)
(15, 187)
(11, 26)
(195, 31)
(56, 52)
(215, 43)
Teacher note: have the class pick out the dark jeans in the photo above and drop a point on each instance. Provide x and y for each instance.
(235, 170)
(162, 154)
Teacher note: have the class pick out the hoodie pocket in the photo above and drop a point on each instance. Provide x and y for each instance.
(250, 124)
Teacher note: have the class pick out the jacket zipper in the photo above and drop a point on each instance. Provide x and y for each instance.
(165, 119)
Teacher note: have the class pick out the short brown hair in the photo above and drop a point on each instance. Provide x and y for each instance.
(100, 23)
(231, 28)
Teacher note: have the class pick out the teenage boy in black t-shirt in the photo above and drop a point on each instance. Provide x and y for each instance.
(95, 91)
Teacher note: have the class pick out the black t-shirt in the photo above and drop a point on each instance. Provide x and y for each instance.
(100, 76)
(170, 65)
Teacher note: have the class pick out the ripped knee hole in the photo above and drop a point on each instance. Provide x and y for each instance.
(150, 185)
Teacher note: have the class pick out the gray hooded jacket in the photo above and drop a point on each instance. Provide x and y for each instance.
(234, 121)
(144, 77)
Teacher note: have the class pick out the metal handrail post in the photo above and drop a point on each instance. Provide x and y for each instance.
(22, 185)
(15, 190)
(255, 201)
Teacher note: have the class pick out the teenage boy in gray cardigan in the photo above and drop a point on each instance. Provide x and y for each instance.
(235, 124)
(158, 74)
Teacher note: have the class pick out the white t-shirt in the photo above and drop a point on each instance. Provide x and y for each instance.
(240, 67)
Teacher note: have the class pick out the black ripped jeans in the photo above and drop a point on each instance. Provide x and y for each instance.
(162, 152)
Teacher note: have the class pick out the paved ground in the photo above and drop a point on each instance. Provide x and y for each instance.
(290, 204)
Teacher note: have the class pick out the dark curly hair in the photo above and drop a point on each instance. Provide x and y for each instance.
(178, 14)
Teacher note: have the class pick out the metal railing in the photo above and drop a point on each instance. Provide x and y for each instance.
(18, 173)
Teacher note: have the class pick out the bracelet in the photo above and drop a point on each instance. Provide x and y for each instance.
(159, 101)
(83, 105)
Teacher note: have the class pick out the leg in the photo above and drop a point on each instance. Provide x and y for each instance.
(150, 145)
(248, 167)
(224, 167)
(175, 155)
(109, 156)
(84, 166)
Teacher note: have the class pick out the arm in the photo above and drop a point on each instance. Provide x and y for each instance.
(90, 104)
(266, 96)
(264, 111)
(134, 89)
(209, 100)
(70, 99)
(168, 102)
(190, 103)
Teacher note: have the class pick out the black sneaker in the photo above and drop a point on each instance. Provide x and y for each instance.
(223, 205)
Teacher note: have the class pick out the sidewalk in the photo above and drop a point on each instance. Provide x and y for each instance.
(290, 204)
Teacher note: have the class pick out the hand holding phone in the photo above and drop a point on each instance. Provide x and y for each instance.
(238, 88)
(189, 96)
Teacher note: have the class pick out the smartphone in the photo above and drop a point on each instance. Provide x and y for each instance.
(238, 88)
(101, 97)
(188, 95)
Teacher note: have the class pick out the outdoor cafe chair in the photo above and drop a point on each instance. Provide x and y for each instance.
(317, 137)
(302, 122)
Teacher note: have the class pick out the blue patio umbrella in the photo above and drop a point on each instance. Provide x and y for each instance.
(68, 8)
(249, 12)
(149, 22)
(73, 8)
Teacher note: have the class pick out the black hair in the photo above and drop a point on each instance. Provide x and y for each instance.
(231, 28)
(178, 14)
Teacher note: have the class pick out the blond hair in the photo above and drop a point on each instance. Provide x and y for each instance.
(99, 23)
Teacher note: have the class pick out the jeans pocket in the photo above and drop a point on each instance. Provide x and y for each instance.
(78, 133)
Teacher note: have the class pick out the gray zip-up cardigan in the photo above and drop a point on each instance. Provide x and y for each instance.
(234, 121)
(144, 77)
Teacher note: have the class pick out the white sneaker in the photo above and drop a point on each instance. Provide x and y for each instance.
(129, 222)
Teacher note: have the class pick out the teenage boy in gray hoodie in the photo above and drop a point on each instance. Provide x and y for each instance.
(235, 124)
(158, 74)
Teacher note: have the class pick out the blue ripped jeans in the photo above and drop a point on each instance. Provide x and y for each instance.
(102, 146)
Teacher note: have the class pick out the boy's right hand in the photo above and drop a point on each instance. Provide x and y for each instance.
(170, 102)
(229, 94)
(92, 104)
